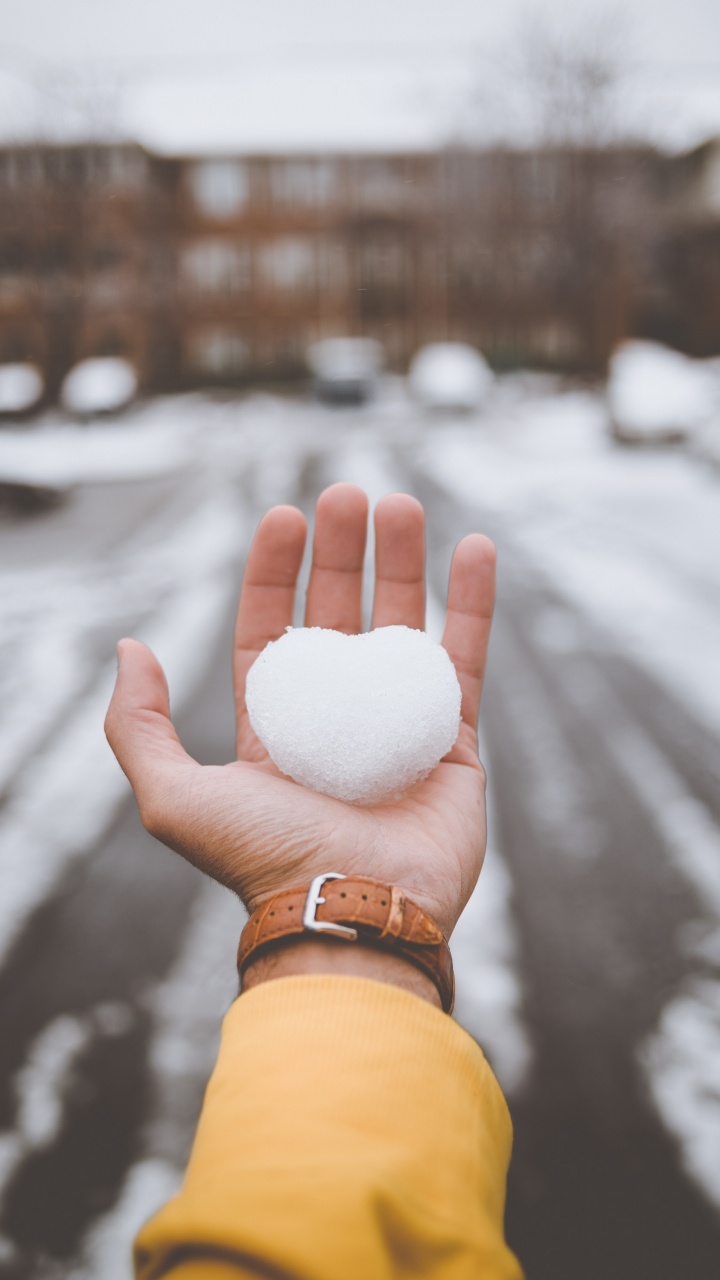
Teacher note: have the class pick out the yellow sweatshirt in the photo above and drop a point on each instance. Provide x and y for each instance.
(350, 1131)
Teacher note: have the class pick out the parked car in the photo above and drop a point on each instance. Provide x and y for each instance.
(19, 498)
(656, 395)
(450, 375)
(345, 370)
(99, 385)
(21, 388)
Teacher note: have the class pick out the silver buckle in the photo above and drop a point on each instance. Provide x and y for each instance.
(313, 901)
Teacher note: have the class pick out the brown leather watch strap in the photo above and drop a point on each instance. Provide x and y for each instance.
(357, 909)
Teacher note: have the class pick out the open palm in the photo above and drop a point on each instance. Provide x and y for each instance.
(247, 825)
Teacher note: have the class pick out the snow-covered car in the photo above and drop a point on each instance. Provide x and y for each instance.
(99, 385)
(21, 388)
(656, 395)
(450, 375)
(345, 370)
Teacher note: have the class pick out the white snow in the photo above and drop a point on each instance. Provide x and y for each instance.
(41, 1085)
(705, 442)
(21, 387)
(38, 1089)
(450, 375)
(359, 717)
(101, 384)
(488, 994)
(680, 1061)
(62, 455)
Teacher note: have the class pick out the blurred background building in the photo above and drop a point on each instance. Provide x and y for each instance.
(224, 269)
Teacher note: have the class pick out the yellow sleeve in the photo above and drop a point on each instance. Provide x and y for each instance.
(350, 1131)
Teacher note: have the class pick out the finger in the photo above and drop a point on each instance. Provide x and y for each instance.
(334, 597)
(399, 562)
(143, 737)
(471, 599)
(267, 597)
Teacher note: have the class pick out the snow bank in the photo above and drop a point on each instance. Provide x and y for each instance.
(59, 457)
(680, 1064)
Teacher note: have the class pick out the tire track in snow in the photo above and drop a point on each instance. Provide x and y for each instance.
(680, 1056)
(76, 776)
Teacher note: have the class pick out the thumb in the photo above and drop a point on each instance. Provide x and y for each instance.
(141, 733)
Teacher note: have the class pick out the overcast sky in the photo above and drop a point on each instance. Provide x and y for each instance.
(225, 73)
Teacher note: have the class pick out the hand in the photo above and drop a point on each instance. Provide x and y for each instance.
(247, 825)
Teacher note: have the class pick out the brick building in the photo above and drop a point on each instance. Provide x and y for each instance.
(222, 269)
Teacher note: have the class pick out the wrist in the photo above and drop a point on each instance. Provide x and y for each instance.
(313, 955)
(375, 928)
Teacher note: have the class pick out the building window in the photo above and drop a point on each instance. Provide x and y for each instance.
(220, 187)
(289, 265)
(217, 267)
(304, 183)
(219, 352)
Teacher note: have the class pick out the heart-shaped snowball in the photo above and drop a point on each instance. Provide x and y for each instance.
(361, 717)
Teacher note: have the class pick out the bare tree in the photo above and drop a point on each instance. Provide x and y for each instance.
(60, 101)
(554, 84)
(79, 103)
(556, 213)
(573, 78)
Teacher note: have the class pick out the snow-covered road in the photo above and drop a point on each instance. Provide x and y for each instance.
(589, 958)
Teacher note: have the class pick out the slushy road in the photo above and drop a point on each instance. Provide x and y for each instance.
(589, 959)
